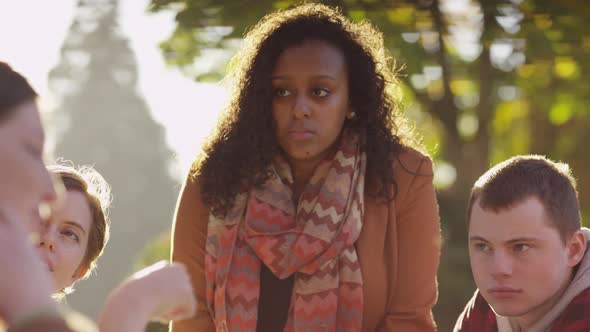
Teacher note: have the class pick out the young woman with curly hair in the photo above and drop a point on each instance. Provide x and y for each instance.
(308, 209)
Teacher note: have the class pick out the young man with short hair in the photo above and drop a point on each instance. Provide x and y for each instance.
(527, 250)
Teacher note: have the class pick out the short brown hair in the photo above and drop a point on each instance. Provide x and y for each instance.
(14, 90)
(98, 194)
(519, 178)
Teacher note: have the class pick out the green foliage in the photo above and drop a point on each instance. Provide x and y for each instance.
(482, 81)
(157, 250)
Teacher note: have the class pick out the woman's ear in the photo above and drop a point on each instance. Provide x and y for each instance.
(351, 113)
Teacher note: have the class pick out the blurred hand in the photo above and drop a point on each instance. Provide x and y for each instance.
(161, 292)
(169, 288)
(25, 283)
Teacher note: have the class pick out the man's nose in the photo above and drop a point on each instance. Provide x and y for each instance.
(501, 264)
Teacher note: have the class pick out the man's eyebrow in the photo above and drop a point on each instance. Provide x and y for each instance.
(511, 241)
(522, 239)
(477, 238)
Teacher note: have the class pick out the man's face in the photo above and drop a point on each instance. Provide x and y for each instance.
(519, 262)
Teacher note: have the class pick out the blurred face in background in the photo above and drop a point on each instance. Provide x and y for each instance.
(63, 239)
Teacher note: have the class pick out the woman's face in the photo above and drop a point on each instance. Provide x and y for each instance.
(25, 183)
(64, 238)
(310, 100)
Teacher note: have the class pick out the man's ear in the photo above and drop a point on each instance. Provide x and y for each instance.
(576, 248)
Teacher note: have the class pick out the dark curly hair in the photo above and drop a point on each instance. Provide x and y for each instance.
(237, 156)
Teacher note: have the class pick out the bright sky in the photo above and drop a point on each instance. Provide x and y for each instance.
(32, 33)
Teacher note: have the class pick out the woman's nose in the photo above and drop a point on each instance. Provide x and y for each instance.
(46, 238)
(301, 108)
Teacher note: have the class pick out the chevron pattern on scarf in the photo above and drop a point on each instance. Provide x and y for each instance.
(313, 240)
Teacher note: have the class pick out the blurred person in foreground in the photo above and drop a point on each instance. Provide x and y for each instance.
(528, 251)
(28, 199)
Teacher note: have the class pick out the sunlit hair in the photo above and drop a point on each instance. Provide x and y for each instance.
(14, 90)
(97, 191)
(237, 156)
(519, 178)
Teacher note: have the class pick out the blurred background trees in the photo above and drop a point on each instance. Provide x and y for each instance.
(481, 80)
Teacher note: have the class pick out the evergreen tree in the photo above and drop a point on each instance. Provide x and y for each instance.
(103, 121)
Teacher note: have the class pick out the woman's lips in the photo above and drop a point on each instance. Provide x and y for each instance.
(49, 265)
(300, 134)
(47, 262)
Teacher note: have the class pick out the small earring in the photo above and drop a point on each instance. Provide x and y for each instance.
(350, 115)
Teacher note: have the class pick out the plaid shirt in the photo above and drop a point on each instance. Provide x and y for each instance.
(479, 317)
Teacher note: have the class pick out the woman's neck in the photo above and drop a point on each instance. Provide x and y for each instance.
(302, 172)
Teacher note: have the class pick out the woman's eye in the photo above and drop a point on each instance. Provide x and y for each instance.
(70, 234)
(320, 92)
(280, 92)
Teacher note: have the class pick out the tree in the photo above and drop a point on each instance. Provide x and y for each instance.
(103, 121)
(483, 80)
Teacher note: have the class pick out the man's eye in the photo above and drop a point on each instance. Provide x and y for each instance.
(521, 247)
(482, 247)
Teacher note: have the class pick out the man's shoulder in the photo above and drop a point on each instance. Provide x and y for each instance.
(477, 316)
(576, 316)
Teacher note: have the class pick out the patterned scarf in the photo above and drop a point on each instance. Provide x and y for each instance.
(314, 241)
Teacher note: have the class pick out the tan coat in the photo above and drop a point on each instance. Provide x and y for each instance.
(398, 248)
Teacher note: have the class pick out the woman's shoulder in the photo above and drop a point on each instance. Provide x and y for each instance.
(411, 162)
(194, 178)
(408, 164)
(191, 194)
